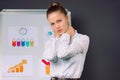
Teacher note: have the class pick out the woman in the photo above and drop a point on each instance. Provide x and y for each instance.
(67, 49)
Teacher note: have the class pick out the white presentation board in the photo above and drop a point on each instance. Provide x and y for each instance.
(24, 33)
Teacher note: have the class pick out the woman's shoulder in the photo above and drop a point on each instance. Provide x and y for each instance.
(81, 36)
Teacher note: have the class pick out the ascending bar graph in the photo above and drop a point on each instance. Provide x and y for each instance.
(18, 68)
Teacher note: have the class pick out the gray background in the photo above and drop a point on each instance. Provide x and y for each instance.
(100, 20)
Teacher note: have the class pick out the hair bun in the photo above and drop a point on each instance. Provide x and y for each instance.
(55, 4)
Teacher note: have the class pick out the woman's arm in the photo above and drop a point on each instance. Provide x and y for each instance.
(50, 51)
(79, 44)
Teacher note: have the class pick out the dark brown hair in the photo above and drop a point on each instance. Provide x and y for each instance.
(55, 6)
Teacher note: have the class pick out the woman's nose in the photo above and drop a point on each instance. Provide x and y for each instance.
(57, 26)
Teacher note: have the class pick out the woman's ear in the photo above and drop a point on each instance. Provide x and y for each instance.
(67, 17)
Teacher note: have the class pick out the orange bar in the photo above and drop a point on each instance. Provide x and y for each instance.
(21, 69)
(47, 69)
(13, 71)
(17, 70)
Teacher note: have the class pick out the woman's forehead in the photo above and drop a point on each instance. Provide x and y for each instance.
(55, 15)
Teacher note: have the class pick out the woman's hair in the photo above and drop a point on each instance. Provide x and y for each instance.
(55, 6)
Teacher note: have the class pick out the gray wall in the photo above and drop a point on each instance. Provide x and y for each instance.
(100, 19)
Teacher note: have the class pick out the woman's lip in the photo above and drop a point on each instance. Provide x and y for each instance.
(60, 30)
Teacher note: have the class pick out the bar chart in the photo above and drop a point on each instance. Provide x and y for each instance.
(18, 68)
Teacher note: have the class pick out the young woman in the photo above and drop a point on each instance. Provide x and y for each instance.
(67, 49)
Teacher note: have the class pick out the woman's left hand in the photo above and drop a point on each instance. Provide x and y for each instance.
(71, 31)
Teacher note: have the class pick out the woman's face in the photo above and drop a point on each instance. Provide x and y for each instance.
(59, 22)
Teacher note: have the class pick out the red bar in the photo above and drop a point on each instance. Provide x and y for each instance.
(13, 43)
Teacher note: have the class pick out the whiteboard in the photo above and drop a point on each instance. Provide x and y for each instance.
(24, 32)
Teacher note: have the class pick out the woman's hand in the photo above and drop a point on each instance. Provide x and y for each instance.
(71, 31)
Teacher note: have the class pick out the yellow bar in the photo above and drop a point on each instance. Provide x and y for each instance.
(31, 43)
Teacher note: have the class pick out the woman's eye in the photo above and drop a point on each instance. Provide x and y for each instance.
(52, 24)
(59, 21)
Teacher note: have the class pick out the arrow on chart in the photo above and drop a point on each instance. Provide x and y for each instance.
(46, 62)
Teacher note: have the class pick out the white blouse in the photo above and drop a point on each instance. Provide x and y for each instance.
(67, 55)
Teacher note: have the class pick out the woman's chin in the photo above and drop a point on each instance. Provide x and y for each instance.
(61, 33)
